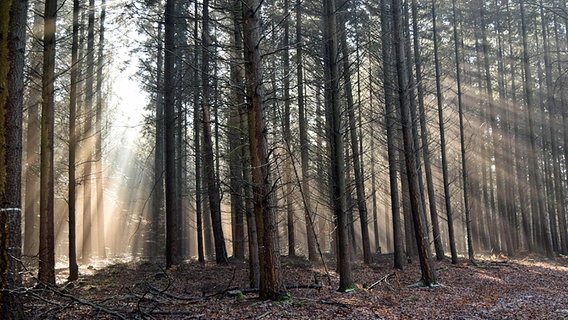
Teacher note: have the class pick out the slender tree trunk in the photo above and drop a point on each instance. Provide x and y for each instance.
(197, 143)
(287, 136)
(304, 141)
(356, 156)
(388, 78)
(88, 145)
(424, 138)
(209, 168)
(236, 137)
(537, 204)
(73, 134)
(445, 175)
(339, 188)
(428, 274)
(46, 273)
(270, 285)
(173, 256)
(157, 210)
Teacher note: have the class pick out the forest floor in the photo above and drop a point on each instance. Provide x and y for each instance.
(497, 288)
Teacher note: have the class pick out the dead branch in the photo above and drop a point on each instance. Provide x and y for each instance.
(383, 279)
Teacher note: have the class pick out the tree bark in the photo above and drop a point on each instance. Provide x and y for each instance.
(209, 163)
(46, 273)
(388, 78)
(270, 285)
(173, 256)
(339, 188)
(73, 135)
(439, 96)
(428, 274)
(12, 55)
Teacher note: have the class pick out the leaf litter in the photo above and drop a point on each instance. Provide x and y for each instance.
(496, 288)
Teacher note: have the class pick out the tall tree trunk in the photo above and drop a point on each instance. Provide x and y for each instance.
(173, 256)
(356, 156)
(552, 103)
(73, 134)
(339, 188)
(425, 140)
(197, 144)
(445, 175)
(157, 210)
(537, 204)
(235, 137)
(100, 204)
(428, 274)
(287, 136)
(46, 273)
(253, 257)
(270, 285)
(12, 55)
(388, 78)
(304, 141)
(209, 168)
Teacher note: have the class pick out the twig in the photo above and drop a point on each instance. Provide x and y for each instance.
(385, 278)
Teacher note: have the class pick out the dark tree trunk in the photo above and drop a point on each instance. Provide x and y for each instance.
(425, 140)
(12, 55)
(428, 274)
(339, 188)
(304, 141)
(173, 256)
(73, 134)
(235, 138)
(446, 179)
(46, 273)
(388, 78)
(270, 285)
(208, 159)
(157, 211)
(462, 135)
(356, 156)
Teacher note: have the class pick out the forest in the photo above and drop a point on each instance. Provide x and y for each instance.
(391, 159)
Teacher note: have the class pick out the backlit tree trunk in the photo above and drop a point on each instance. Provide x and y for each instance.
(46, 273)
(270, 285)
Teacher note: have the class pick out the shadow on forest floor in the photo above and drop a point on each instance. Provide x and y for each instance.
(521, 288)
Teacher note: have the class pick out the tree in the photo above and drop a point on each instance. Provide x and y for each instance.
(270, 285)
(439, 95)
(356, 156)
(12, 53)
(462, 136)
(73, 135)
(339, 188)
(46, 273)
(303, 132)
(388, 78)
(235, 137)
(173, 256)
(208, 161)
(428, 274)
